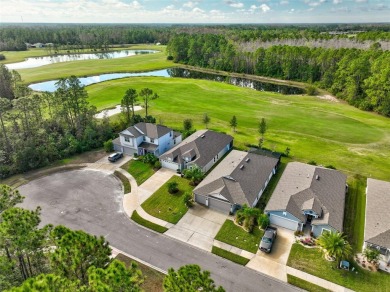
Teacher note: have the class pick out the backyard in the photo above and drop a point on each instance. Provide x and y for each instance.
(166, 206)
(234, 235)
(312, 261)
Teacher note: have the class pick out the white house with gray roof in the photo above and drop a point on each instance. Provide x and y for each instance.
(308, 195)
(143, 138)
(377, 225)
(202, 149)
(239, 179)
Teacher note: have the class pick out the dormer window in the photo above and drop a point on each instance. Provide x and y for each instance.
(127, 139)
(151, 140)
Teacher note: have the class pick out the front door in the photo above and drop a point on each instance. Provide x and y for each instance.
(309, 219)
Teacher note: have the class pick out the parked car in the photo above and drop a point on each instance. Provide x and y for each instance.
(115, 156)
(268, 239)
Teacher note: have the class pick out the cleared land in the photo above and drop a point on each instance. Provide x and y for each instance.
(327, 132)
(83, 68)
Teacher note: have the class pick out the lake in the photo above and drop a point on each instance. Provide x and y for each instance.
(179, 73)
(47, 60)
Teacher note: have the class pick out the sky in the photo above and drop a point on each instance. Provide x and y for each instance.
(195, 11)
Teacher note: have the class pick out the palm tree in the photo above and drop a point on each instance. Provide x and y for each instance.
(335, 245)
(247, 217)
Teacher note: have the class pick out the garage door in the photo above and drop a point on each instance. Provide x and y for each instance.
(200, 199)
(283, 222)
(219, 205)
(169, 165)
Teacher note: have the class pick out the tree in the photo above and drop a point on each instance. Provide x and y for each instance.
(371, 254)
(5, 105)
(6, 83)
(233, 123)
(172, 187)
(108, 146)
(147, 96)
(187, 125)
(49, 282)
(189, 278)
(263, 221)
(9, 197)
(115, 277)
(188, 200)
(76, 251)
(206, 120)
(128, 102)
(195, 174)
(335, 245)
(247, 217)
(262, 130)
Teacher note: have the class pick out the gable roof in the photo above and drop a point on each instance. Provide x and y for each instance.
(203, 145)
(146, 129)
(239, 177)
(377, 226)
(307, 187)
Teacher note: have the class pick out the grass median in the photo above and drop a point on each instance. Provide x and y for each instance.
(229, 255)
(124, 180)
(137, 218)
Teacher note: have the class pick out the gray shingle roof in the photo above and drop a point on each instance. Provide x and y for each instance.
(204, 145)
(150, 130)
(302, 186)
(377, 226)
(239, 185)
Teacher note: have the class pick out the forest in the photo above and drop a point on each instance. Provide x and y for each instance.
(361, 77)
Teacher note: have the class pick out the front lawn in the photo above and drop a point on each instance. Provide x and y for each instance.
(312, 261)
(166, 206)
(354, 214)
(229, 255)
(234, 235)
(139, 170)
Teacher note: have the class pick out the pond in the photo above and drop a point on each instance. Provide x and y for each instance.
(47, 60)
(179, 73)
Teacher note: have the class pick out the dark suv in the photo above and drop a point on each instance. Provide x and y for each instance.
(115, 156)
(268, 239)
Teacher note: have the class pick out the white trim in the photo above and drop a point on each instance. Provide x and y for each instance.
(284, 218)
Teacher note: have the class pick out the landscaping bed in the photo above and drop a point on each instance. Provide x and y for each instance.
(312, 261)
(166, 206)
(153, 279)
(139, 170)
(229, 255)
(234, 235)
(138, 219)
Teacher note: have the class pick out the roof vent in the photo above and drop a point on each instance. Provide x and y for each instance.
(247, 160)
(202, 136)
(242, 166)
(317, 177)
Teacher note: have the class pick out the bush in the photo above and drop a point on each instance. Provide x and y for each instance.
(157, 165)
(263, 221)
(312, 162)
(188, 200)
(330, 166)
(170, 58)
(173, 187)
(108, 146)
(149, 158)
(2, 57)
(311, 90)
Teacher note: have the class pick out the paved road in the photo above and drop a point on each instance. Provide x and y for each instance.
(92, 201)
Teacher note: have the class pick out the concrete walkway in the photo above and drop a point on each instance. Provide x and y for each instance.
(316, 280)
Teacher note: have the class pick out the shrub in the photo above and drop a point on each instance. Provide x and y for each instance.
(108, 146)
(312, 162)
(149, 158)
(188, 200)
(157, 165)
(2, 57)
(173, 187)
(371, 254)
(170, 58)
(311, 90)
(330, 166)
(195, 175)
(263, 221)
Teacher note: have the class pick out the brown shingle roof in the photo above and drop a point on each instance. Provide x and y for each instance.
(303, 185)
(377, 226)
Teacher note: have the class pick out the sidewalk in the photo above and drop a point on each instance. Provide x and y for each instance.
(316, 280)
(233, 249)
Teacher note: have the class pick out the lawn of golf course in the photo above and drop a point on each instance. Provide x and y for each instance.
(328, 132)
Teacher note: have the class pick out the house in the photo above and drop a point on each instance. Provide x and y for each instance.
(240, 178)
(144, 138)
(202, 149)
(309, 197)
(377, 226)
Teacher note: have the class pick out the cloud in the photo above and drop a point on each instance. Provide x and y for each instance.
(360, 1)
(197, 10)
(190, 4)
(284, 2)
(265, 8)
(234, 4)
(170, 7)
(337, 1)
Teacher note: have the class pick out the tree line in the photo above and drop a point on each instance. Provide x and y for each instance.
(48, 258)
(361, 77)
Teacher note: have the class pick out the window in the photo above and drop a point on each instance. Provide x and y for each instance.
(170, 134)
(217, 156)
(127, 139)
(151, 140)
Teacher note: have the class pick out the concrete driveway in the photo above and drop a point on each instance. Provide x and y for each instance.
(274, 264)
(104, 165)
(198, 227)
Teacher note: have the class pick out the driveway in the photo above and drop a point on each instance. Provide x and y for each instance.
(274, 264)
(92, 201)
(198, 227)
(104, 165)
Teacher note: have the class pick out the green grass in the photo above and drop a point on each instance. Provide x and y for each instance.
(354, 214)
(298, 282)
(166, 206)
(272, 184)
(229, 255)
(153, 279)
(139, 170)
(137, 218)
(234, 235)
(138, 63)
(124, 180)
(327, 132)
(312, 261)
